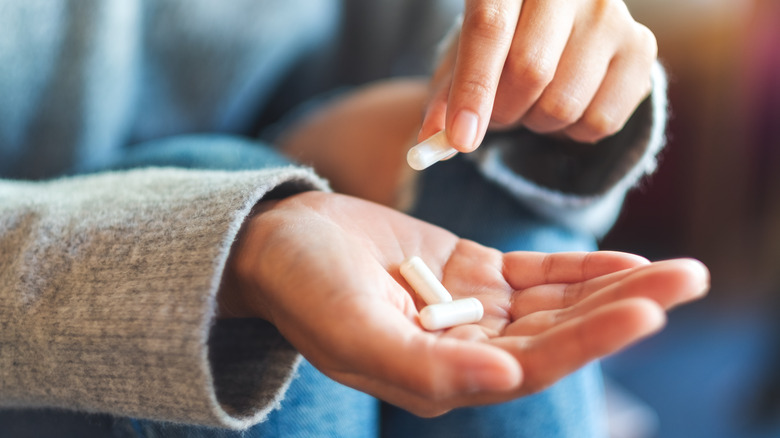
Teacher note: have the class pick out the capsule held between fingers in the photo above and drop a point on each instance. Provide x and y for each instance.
(430, 151)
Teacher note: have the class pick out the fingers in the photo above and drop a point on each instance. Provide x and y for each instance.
(393, 359)
(556, 296)
(539, 41)
(581, 69)
(436, 111)
(548, 357)
(602, 75)
(486, 36)
(525, 269)
(620, 92)
(668, 283)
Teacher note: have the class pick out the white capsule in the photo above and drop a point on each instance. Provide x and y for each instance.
(423, 281)
(435, 148)
(443, 315)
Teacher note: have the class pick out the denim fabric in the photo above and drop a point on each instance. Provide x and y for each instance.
(453, 195)
(75, 105)
(314, 406)
(572, 408)
(212, 151)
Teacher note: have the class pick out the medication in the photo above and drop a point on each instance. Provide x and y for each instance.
(444, 315)
(423, 281)
(435, 148)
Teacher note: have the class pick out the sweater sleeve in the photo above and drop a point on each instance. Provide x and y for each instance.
(107, 296)
(581, 186)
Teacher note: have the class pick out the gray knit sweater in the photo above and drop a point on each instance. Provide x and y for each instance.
(107, 295)
(108, 280)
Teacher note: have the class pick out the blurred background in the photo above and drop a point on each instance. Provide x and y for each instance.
(715, 370)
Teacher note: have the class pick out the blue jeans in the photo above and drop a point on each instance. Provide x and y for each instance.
(453, 195)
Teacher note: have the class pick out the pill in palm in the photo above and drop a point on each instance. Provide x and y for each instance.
(428, 152)
(444, 315)
(423, 281)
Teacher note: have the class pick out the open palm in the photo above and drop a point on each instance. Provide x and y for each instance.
(323, 268)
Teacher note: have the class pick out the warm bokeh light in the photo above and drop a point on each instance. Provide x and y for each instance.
(714, 372)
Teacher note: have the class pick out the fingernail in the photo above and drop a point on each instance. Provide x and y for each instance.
(702, 275)
(464, 130)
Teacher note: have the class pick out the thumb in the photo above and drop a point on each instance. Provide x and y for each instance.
(436, 367)
(436, 111)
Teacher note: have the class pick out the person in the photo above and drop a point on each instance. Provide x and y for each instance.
(163, 274)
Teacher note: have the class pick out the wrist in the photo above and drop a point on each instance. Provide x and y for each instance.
(239, 295)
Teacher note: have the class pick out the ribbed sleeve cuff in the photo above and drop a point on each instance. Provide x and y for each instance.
(580, 186)
(109, 282)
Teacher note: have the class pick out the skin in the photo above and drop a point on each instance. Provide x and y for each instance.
(354, 317)
(577, 68)
(323, 267)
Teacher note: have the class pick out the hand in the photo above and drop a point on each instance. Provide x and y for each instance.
(576, 67)
(323, 268)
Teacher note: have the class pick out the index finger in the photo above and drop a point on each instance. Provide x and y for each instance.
(486, 36)
(526, 269)
(557, 352)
